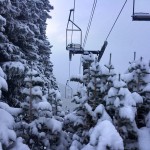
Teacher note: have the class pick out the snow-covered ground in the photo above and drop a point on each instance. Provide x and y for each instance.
(144, 138)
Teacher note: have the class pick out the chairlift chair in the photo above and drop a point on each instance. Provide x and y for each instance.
(69, 90)
(72, 47)
(140, 16)
(76, 48)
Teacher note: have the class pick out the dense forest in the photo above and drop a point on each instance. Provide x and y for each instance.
(113, 110)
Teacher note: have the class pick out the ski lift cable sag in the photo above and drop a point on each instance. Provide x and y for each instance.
(90, 22)
(116, 20)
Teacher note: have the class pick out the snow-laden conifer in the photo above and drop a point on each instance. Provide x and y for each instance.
(137, 78)
(8, 115)
(121, 104)
(38, 126)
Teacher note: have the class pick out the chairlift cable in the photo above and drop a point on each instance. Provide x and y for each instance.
(116, 19)
(90, 21)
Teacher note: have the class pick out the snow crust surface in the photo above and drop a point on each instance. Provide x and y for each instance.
(16, 65)
(105, 134)
(6, 127)
(127, 112)
(19, 145)
(12, 111)
(54, 125)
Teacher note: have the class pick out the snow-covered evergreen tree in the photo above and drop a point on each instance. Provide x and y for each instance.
(122, 105)
(106, 77)
(137, 78)
(23, 40)
(104, 136)
(136, 74)
(24, 45)
(80, 119)
(38, 126)
(8, 115)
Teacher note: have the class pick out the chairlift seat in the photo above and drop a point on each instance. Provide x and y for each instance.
(141, 17)
(74, 47)
(77, 49)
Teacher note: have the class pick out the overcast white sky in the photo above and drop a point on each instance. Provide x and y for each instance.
(127, 36)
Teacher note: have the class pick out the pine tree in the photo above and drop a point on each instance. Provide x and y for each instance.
(106, 78)
(23, 40)
(80, 118)
(122, 105)
(8, 116)
(137, 79)
(10, 53)
(24, 45)
(39, 126)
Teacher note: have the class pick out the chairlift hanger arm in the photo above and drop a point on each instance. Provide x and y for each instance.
(133, 7)
(69, 20)
(69, 16)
